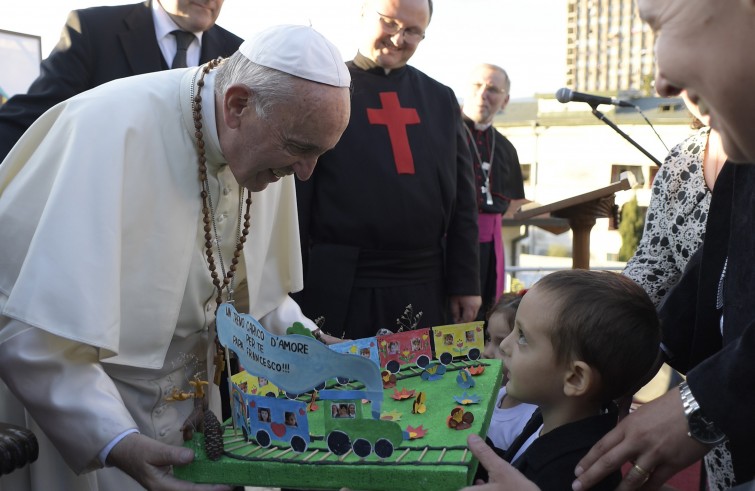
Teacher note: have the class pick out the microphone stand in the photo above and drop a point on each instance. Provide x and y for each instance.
(610, 123)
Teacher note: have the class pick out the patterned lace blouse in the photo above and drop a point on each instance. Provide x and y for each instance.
(675, 220)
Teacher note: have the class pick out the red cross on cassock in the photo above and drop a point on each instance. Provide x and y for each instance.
(395, 118)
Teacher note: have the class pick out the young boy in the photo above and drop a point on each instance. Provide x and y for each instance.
(509, 415)
(581, 340)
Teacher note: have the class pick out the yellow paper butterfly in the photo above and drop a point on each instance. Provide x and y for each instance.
(419, 404)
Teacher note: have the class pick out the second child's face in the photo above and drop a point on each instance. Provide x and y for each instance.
(498, 328)
(534, 375)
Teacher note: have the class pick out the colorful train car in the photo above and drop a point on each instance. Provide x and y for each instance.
(250, 384)
(347, 428)
(405, 347)
(420, 346)
(458, 341)
(268, 419)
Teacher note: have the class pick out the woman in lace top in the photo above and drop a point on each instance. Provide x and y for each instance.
(678, 210)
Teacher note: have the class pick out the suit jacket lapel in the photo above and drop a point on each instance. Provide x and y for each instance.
(212, 47)
(139, 40)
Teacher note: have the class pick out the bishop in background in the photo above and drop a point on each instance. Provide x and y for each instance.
(498, 176)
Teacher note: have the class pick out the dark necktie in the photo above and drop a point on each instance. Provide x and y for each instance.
(183, 40)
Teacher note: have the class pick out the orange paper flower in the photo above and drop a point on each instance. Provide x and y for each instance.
(390, 416)
(404, 394)
(415, 433)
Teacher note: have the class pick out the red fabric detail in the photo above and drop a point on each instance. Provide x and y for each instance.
(395, 118)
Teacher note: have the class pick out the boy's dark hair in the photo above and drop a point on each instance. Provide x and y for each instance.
(608, 321)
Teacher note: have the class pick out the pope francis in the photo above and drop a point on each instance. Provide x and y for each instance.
(127, 213)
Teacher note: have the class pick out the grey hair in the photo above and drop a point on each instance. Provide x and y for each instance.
(270, 86)
(507, 81)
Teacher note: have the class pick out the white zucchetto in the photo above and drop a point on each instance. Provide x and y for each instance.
(300, 51)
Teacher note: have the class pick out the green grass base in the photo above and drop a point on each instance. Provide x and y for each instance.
(439, 461)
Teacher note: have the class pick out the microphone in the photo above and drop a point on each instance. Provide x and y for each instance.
(564, 95)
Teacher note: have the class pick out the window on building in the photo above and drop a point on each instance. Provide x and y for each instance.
(617, 169)
(652, 173)
(526, 173)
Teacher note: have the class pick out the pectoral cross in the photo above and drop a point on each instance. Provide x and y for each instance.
(486, 183)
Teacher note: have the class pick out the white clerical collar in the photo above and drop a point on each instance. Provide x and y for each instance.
(164, 26)
(213, 153)
(482, 126)
(212, 143)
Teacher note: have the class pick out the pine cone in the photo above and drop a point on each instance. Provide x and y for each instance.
(213, 436)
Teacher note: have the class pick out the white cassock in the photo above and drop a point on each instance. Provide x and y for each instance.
(105, 296)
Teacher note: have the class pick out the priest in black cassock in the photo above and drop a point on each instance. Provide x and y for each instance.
(498, 177)
(389, 219)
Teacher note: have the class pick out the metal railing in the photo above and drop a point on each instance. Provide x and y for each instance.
(528, 275)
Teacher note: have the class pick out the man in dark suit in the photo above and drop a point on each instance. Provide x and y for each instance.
(101, 44)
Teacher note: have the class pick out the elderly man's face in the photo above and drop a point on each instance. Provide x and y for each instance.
(705, 47)
(288, 141)
(487, 95)
(393, 29)
(193, 15)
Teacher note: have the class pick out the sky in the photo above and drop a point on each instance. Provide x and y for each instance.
(526, 37)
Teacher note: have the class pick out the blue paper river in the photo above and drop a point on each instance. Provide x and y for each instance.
(295, 363)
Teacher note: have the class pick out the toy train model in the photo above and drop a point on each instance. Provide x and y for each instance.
(299, 364)
(419, 346)
(266, 419)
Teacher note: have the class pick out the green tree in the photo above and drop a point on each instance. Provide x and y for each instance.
(630, 228)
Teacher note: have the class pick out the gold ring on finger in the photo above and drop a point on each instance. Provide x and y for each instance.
(645, 474)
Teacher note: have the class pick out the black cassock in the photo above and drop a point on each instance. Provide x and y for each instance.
(496, 187)
(389, 217)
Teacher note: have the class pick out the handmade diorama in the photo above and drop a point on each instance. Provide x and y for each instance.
(389, 412)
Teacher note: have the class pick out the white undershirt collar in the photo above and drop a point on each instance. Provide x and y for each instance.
(164, 25)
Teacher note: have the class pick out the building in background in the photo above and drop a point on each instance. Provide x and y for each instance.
(608, 47)
(566, 151)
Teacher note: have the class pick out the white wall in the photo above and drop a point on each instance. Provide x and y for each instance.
(572, 160)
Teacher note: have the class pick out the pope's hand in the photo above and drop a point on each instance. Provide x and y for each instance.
(464, 308)
(149, 463)
(502, 476)
(654, 438)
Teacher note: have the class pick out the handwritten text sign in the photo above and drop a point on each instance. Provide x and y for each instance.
(294, 363)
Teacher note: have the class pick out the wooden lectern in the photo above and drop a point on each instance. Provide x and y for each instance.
(578, 213)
